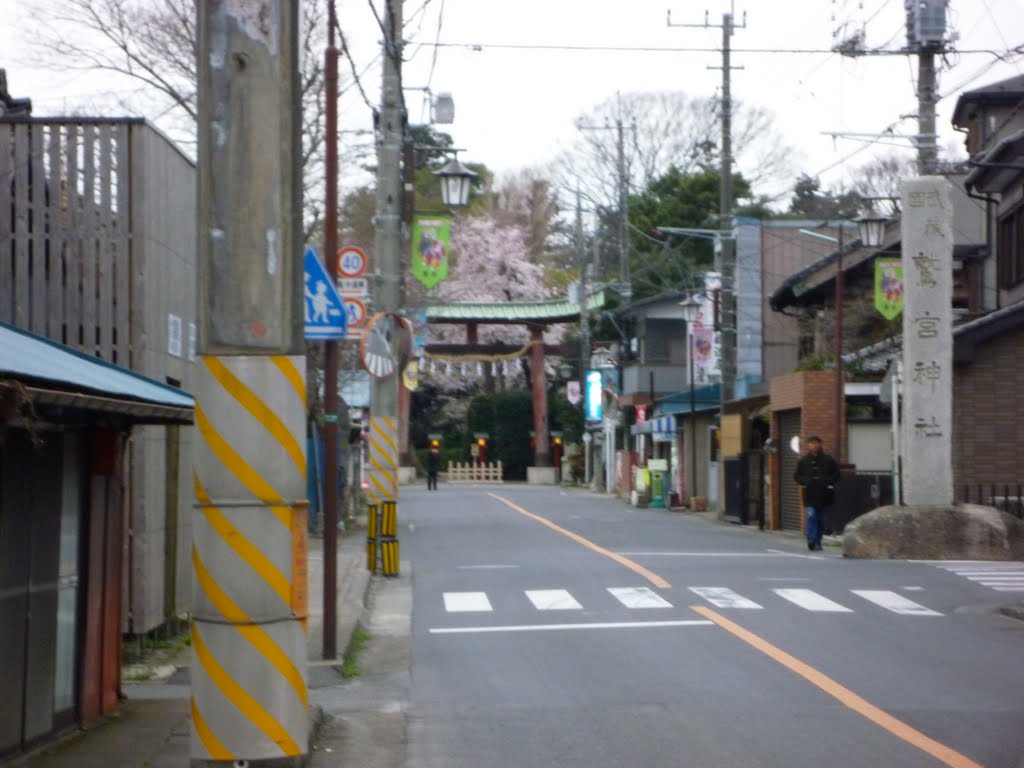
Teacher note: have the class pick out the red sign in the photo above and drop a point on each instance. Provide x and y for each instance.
(641, 414)
(351, 262)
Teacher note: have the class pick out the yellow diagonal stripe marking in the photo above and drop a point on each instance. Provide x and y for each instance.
(378, 449)
(213, 745)
(256, 635)
(287, 367)
(241, 698)
(638, 569)
(388, 437)
(245, 549)
(249, 400)
(901, 730)
(239, 467)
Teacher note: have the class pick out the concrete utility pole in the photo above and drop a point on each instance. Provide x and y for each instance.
(620, 167)
(927, 138)
(725, 254)
(387, 255)
(330, 491)
(249, 699)
(727, 244)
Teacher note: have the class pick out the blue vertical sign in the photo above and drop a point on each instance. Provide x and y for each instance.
(325, 312)
(592, 396)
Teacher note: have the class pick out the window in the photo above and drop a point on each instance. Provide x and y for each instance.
(1010, 248)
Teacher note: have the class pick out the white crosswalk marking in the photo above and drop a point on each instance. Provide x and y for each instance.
(639, 597)
(811, 600)
(553, 600)
(466, 602)
(1002, 577)
(894, 602)
(723, 597)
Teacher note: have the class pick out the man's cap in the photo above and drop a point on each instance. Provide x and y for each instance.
(813, 439)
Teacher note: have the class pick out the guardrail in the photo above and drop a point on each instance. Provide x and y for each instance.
(475, 473)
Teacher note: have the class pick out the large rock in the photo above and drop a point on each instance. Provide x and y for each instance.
(960, 532)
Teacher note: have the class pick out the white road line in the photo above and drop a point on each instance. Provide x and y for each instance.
(554, 627)
(553, 600)
(1018, 588)
(811, 600)
(723, 597)
(639, 597)
(485, 567)
(894, 602)
(912, 589)
(466, 602)
(769, 553)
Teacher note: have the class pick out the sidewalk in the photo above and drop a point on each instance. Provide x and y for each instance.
(152, 725)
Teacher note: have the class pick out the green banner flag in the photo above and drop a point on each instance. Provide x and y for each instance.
(889, 287)
(430, 236)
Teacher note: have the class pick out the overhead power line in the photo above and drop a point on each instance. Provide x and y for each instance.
(668, 49)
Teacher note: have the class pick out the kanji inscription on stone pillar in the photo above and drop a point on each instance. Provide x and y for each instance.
(927, 235)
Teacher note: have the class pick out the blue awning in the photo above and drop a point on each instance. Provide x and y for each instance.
(60, 375)
(661, 425)
(705, 398)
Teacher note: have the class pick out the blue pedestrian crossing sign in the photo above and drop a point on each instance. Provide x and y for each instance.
(325, 312)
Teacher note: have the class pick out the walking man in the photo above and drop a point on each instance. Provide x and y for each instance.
(817, 473)
(433, 465)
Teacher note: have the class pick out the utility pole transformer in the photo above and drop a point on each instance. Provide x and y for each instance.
(249, 608)
(387, 255)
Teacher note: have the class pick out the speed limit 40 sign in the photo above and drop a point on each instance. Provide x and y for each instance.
(351, 262)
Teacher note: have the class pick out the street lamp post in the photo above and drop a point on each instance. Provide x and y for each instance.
(691, 311)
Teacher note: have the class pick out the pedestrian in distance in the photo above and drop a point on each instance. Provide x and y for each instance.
(817, 473)
(433, 465)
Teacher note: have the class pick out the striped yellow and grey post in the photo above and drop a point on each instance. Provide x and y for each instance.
(249, 700)
(383, 460)
(249, 606)
(384, 488)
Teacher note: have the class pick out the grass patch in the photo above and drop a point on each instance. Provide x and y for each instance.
(350, 664)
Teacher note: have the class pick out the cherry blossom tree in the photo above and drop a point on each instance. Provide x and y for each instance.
(490, 263)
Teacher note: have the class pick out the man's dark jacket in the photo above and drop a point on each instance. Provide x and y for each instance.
(818, 474)
(433, 462)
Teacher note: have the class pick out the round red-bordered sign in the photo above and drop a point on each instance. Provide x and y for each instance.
(355, 311)
(386, 346)
(351, 261)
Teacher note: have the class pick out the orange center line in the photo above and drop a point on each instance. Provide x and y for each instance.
(652, 577)
(846, 697)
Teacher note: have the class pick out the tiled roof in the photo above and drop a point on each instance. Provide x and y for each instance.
(544, 311)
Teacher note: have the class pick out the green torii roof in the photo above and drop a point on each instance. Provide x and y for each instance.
(510, 312)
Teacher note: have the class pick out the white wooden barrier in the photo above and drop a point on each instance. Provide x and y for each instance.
(475, 473)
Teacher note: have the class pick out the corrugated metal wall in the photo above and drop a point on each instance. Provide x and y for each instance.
(791, 514)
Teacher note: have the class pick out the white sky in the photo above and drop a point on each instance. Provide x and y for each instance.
(517, 108)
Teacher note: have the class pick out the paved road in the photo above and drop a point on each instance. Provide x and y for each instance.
(558, 628)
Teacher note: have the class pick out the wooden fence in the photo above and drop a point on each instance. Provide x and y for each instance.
(475, 473)
(65, 266)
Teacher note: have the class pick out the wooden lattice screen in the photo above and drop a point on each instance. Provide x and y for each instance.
(65, 233)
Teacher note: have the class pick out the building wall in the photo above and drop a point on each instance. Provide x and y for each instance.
(813, 394)
(785, 251)
(870, 447)
(988, 414)
(164, 310)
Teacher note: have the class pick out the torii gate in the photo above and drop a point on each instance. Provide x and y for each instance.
(535, 315)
